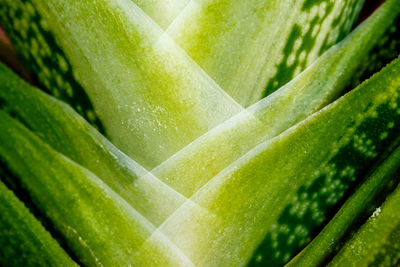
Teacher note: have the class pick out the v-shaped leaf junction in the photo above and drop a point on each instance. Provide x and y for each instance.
(223, 184)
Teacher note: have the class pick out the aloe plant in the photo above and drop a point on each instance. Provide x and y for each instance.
(199, 133)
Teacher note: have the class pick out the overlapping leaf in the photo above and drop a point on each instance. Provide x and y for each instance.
(377, 242)
(367, 195)
(162, 11)
(251, 48)
(68, 133)
(99, 227)
(274, 197)
(321, 83)
(154, 100)
(145, 89)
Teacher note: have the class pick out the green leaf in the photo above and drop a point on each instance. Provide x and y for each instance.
(109, 58)
(62, 128)
(99, 227)
(162, 11)
(252, 48)
(259, 192)
(192, 167)
(377, 241)
(366, 195)
(387, 49)
(269, 203)
(23, 240)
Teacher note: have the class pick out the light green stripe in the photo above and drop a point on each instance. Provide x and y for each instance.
(248, 46)
(150, 96)
(281, 191)
(162, 11)
(189, 169)
(100, 228)
(63, 129)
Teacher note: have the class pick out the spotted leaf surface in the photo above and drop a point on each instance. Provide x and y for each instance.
(276, 196)
(226, 135)
(367, 137)
(387, 49)
(47, 61)
(192, 167)
(252, 48)
(368, 195)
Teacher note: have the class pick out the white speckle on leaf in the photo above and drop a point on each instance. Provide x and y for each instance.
(376, 212)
